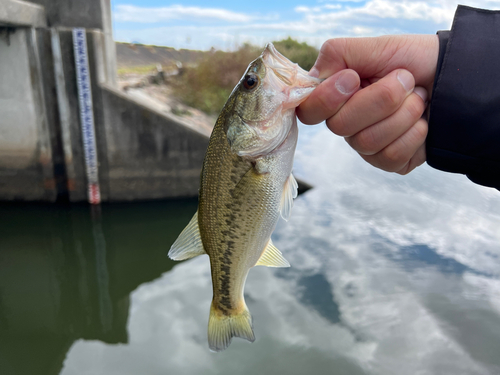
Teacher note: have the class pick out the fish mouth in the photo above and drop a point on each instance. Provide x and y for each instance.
(295, 81)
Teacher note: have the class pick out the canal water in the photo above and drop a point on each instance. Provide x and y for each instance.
(390, 275)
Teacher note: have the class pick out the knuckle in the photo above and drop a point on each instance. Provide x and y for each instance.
(388, 97)
(405, 170)
(415, 109)
(326, 51)
(365, 142)
(332, 46)
(305, 117)
(327, 47)
(325, 103)
(394, 158)
(338, 125)
(421, 129)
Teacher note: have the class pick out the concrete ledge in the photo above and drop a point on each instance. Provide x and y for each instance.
(150, 155)
(21, 13)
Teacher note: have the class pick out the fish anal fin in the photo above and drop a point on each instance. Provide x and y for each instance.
(272, 257)
(222, 328)
(188, 244)
(289, 193)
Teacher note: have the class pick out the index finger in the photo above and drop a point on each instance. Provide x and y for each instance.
(378, 56)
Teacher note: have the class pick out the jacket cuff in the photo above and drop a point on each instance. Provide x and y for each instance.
(464, 122)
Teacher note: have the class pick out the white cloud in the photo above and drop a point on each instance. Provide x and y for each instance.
(304, 9)
(314, 24)
(360, 30)
(131, 13)
(332, 6)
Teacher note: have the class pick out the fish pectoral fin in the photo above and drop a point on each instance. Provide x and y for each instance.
(188, 244)
(272, 257)
(289, 193)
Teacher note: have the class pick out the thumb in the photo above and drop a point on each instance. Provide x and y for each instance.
(328, 97)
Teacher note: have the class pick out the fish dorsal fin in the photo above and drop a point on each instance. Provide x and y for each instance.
(272, 257)
(188, 244)
(289, 193)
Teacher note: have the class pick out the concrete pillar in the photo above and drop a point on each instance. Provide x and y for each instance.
(88, 14)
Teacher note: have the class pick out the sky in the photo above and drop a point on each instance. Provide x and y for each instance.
(226, 24)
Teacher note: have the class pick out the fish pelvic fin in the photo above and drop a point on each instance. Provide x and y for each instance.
(289, 193)
(272, 257)
(188, 244)
(222, 328)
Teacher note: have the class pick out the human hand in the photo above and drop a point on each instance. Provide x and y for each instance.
(374, 95)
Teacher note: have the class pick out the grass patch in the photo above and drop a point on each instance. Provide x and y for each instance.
(180, 112)
(207, 85)
(146, 69)
(300, 53)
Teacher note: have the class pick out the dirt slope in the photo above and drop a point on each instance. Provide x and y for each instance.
(131, 55)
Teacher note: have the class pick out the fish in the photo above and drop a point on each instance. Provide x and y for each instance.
(246, 185)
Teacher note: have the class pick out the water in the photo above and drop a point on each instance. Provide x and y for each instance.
(390, 275)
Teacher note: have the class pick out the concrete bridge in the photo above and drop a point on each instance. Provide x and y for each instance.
(140, 153)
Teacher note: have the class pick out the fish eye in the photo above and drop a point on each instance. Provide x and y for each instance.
(250, 81)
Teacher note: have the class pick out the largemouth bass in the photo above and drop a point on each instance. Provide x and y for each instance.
(246, 184)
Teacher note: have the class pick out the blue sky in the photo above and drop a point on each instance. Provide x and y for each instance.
(227, 24)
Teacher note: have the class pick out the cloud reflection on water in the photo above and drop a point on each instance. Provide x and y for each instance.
(390, 275)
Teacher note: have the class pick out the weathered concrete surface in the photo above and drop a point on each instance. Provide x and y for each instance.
(150, 155)
(51, 114)
(74, 13)
(109, 55)
(21, 13)
(17, 143)
(26, 169)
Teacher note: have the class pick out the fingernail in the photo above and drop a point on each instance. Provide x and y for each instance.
(347, 82)
(420, 91)
(406, 79)
(314, 72)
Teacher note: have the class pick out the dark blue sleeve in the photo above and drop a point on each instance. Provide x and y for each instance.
(464, 117)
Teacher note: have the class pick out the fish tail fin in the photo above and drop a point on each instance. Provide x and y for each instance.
(222, 328)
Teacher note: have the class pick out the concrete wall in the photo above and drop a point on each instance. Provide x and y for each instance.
(18, 144)
(149, 155)
(26, 168)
